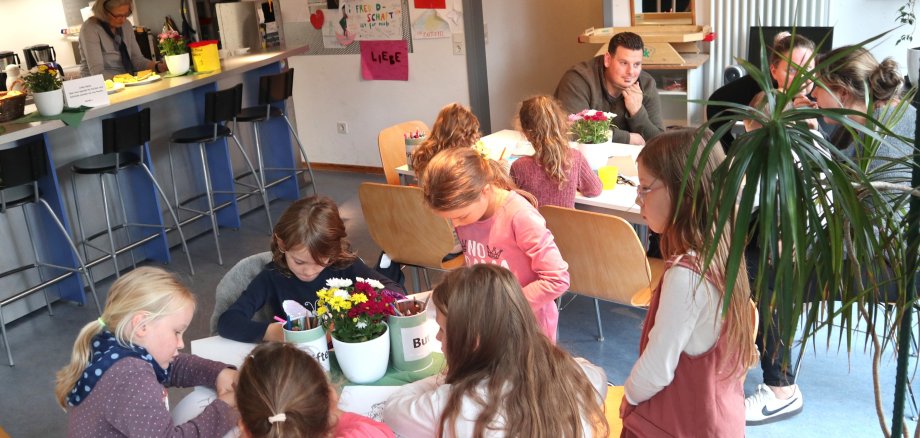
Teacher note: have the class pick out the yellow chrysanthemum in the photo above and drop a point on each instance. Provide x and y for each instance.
(358, 298)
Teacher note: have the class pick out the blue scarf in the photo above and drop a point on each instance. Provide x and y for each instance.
(106, 352)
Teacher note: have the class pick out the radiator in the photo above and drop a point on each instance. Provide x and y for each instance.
(732, 19)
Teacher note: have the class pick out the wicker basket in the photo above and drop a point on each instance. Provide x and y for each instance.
(11, 108)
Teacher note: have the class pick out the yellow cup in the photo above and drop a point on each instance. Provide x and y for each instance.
(608, 176)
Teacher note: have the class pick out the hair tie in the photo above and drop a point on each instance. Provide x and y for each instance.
(101, 322)
(277, 418)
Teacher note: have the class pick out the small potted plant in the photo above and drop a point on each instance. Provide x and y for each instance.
(175, 52)
(45, 83)
(354, 313)
(592, 130)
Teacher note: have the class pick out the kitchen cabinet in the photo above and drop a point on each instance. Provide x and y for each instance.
(678, 85)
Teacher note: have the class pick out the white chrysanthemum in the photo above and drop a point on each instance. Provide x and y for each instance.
(374, 283)
(338, 283)
(341, 294)
(361, 325)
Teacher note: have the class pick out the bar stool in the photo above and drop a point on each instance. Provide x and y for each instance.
(220, 107)
(125, 145)
(21, 167)
(274, 90)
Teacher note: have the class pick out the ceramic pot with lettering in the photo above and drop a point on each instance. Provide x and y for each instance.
(313, 341)
(410, 339)
(49, 103)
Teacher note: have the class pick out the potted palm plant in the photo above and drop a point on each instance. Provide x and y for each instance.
(816, 234)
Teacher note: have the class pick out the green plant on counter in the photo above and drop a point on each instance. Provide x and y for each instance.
(42, 78)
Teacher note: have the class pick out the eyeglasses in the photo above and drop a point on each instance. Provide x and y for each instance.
(643, 191)
(121, 16)
(623, 180)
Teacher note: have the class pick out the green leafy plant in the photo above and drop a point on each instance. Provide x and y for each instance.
(171, 43)
(42, 78)
(907, 17)
(832, 233)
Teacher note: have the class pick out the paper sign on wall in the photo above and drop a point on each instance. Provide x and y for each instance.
(88, 91)
(428, 26)
(430, 4)
(385, 60)
(373, 19)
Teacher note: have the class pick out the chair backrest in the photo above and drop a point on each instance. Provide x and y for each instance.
(224, 105)
(276, 87)
(234, 282)
(23, 164)
(400, 223)
(392, 145)
(606, 259)
(126, 132)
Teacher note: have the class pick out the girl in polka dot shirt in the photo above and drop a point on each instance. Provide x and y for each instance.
(115, 383)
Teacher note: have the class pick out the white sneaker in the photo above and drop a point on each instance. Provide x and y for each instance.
(763, 407)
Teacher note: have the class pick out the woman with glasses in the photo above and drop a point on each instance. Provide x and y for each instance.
(107, 43)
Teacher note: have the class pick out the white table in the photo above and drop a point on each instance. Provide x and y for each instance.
(620, 201)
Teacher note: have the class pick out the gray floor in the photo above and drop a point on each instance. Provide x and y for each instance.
(837, 387)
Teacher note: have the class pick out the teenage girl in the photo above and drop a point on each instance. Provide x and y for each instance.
(788, 57)
(456, 126)
(115, 383)
(309, 246)
(555, 172)
(283, 392)
(499, 226)
(688, 379)
(503, 377)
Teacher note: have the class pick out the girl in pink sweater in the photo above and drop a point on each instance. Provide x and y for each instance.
(497, 225)
(555, 171)
(283, 392)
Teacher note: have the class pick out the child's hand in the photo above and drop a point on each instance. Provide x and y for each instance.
(225, 385)
(274, 332)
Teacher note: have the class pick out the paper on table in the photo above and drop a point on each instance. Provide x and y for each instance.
(366, 400)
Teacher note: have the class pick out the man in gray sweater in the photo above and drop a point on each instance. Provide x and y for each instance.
(616, 83)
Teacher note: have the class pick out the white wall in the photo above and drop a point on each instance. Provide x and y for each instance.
(31, 22)
(857, 20)
(529, 56)
(329, 88)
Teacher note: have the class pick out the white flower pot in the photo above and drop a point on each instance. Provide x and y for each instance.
(177, 64)
(363, 362)
(913, 64)
(49, 103)
(596, 154)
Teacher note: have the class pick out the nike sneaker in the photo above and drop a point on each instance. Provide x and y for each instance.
(763, 407)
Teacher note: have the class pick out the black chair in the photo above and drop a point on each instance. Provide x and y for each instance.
(740, 91)
(125, 143)
(274, 90)
(21, 167)
(220, 107)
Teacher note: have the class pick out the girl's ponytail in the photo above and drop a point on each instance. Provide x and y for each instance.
(67, 377)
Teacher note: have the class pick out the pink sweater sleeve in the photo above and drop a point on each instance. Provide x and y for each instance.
(589, 184)
(535, 240)
(352, 425)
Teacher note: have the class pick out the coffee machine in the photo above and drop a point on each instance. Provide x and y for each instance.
(6, 58)
(42, 53)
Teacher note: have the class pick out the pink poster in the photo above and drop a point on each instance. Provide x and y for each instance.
(430, 4)
(385, 60)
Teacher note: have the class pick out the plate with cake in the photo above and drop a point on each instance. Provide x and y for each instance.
(142, 77)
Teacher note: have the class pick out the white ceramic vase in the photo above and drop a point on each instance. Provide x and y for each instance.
(177, 64)
(596, 154)
(913, 64)
(363, 362)
(49, 103)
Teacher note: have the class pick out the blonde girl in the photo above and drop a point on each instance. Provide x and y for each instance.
(688, 379)
(283, 392)
(497, 225)
(456, 126)
(115, 383)
(503, 377)
(309, 246)
(555, 172)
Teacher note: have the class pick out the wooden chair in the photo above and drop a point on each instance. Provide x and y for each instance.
(405, 229)
(392, 145)
(606, 260)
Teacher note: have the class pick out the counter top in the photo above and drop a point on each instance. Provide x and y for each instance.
(139, 95)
